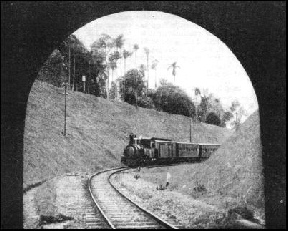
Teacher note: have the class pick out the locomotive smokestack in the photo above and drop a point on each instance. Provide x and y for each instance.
(131, 138)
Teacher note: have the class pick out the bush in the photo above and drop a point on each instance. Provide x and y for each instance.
(145, 102)
(174, 100)
(212, 118)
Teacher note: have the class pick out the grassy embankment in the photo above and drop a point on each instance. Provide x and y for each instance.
(231, 178)
(97, 132)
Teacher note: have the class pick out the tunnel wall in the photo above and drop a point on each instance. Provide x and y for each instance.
(254, 31)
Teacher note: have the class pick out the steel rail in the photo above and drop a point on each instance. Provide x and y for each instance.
(94, 199)
(161, 221)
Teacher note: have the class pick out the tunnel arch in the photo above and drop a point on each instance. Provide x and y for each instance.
(254, 32)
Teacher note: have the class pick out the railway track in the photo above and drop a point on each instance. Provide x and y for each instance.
(118, 211)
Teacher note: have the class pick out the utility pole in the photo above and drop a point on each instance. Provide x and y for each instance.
(191, 129)
(90, 78)
(65, 100)
(74, 75)
(69, 65)
(90, 69)
(107, 71)
(64, 133)
(135, 86)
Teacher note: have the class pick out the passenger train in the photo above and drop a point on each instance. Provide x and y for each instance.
(147, 151)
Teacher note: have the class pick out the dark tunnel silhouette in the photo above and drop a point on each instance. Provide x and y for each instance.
(254, 31)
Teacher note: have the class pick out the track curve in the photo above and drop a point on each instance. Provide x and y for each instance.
(119, 211)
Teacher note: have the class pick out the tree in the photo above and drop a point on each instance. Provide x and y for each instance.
(119, 42)
(174, 67)
(51, 71)
(203, 108)
(225, 118)
(113, 61)
(104, 46)
(126, 54)
(173, 99)
(164, 82)
(135, 47)
(113, 90)
(74, 51)
(213, 118)
(154, 67)
(146, 50)
(75, 57)
(142, 69)
(134, 86)
(97, 71)
(112, 66)
(238, 112)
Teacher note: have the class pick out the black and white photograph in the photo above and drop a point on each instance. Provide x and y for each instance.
(143, 115)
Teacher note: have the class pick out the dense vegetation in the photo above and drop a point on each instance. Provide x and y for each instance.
(71, 61)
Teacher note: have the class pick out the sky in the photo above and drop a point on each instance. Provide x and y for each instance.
(204, 60)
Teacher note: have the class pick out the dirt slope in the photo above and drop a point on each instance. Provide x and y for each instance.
(97, 132)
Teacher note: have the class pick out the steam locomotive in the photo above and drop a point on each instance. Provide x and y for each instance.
(146, 151)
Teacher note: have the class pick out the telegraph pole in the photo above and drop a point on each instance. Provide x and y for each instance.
(191, 129)
(65, 100)
(64, 133)
(74, 75)
(69, 65)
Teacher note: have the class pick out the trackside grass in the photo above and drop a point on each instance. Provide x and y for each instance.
(231, 179)
(97, 132)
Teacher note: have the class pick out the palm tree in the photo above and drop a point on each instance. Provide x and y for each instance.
(174, 67)
(154, 67)
(126, 54)
(119, 43)
(113, 66)
(142, 69)
(106, 42)
(147, 55)
(136, 47)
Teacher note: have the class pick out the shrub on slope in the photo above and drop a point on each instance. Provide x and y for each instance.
(97, 131)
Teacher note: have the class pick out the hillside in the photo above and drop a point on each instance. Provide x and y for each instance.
(97, 132)
(236, 168)
(232, 176)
